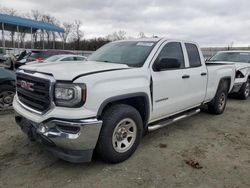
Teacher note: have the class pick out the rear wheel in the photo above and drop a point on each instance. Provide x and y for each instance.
(245, 90)
(121, 133)
(7, 93)
(218, 104)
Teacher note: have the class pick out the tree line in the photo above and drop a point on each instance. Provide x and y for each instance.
(71, 39)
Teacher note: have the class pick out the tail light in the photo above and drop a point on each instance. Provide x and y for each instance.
(40, 59)
(239, 74)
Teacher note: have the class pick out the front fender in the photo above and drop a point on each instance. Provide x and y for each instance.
(107, 86)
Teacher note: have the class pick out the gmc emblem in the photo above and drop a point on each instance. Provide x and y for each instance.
(27, 85)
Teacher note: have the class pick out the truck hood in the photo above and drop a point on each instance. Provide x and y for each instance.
(70, 70)
(237, 65)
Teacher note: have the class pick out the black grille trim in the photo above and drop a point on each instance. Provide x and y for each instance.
(39, 99)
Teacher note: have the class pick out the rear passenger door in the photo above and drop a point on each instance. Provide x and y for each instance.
(197, 82)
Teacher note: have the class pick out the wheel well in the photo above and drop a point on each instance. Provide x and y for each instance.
(226, 82)
(140, 103)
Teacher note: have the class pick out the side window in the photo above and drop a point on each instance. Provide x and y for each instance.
(172, 50)
(79, 58)
(68, 59)
(193, 55)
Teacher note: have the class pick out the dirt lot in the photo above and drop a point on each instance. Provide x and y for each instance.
(221, 144)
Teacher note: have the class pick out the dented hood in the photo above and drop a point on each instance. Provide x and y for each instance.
(71, 70)
(243, 67)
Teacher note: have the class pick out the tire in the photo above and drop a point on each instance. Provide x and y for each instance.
(7, 93)
(116, 143)
(245, 90)
(218, 104)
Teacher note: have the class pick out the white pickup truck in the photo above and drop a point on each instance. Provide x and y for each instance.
(125, 89)
(241, 60)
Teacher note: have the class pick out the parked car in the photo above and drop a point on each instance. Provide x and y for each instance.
(5, 53)
(63, 57)
(241, 60)
(2, 55)
(125, 88)
(7, 88)
(39, 56)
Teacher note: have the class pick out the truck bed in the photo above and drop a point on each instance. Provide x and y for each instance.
(218, 71)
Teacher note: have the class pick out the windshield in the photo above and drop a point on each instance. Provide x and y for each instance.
(130, 53)
(53, 58)
(243, 57)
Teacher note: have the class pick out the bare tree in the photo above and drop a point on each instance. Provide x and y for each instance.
(77, 33)
(67, 30)
(230, 46)
(49, 19)
(120, 35)
(36, 15)
(141, 35)
(9, 11)
(12, 12)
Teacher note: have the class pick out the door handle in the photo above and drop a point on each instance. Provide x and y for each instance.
(185, 76)
(203, 74)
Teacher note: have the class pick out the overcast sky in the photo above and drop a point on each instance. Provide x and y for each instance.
(208, 22)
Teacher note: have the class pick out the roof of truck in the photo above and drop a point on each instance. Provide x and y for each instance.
(143, 39)
(240, 51)
(157, 39)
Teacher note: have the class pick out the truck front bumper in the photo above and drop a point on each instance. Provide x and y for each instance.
(71, 140)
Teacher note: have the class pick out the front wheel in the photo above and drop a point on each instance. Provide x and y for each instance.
(245, 90)
(120, 134)
(7, 93)
(218, 104)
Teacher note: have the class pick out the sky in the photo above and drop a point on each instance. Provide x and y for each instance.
(208, 22)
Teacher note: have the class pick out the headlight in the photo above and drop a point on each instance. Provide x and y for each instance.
(70, 95)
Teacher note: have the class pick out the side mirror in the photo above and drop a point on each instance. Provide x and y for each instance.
(167, 63)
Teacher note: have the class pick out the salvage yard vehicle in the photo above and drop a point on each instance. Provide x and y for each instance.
(65, 57)
(241, 60)
(39, 56)
(125, 89)
(7, 88)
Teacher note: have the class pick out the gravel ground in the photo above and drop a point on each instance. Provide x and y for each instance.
(220, 144)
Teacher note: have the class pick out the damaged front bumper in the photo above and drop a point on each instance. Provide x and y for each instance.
(71, 140)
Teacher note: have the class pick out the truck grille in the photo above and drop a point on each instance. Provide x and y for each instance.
(33, 92)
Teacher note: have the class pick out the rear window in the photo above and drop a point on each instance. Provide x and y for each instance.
(79, 58)
(68, 59)
(193, 55)
(35, 54)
